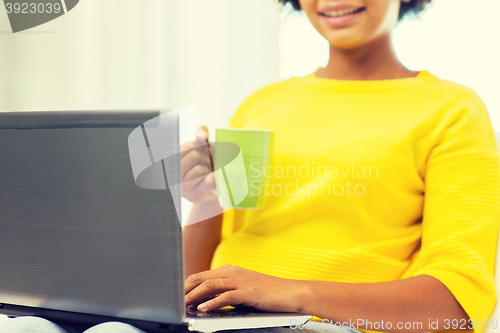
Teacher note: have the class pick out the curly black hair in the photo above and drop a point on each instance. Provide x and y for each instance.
(413, 7)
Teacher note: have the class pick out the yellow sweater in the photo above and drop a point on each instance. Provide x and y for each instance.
(373, 181)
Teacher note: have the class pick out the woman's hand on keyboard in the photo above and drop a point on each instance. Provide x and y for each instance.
(233, 285)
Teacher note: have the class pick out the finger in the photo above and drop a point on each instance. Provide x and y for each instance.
(193, 158)
(194, 304)
(199, 171)
(194, 280)
(200, 145)
(197, 153)
(195, 191)
(209, 289)
(233, 297)
(187, 146)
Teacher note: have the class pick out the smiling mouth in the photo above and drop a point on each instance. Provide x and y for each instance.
(344, 12)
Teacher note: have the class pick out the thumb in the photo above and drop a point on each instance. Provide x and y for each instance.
(202, 133)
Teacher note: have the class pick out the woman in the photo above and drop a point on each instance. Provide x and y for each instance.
(411, 242)
(401, 227)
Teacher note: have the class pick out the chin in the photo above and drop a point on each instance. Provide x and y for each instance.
(346, 43)
(346, 38)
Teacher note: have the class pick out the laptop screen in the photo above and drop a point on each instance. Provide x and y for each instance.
(76, 232)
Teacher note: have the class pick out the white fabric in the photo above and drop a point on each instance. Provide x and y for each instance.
(40, 325)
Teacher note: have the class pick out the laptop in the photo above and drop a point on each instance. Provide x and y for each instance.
(84, 238)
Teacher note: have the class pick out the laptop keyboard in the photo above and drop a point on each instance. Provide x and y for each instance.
(191, 312)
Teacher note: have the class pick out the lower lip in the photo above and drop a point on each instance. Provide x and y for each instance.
(341, 20)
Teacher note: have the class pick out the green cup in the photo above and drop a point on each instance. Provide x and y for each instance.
(243, 171)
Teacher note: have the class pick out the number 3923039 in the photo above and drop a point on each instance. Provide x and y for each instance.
(33, 8)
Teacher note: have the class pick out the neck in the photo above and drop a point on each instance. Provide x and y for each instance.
(375, 60)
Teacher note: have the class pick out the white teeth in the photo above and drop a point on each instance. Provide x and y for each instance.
(335, 13)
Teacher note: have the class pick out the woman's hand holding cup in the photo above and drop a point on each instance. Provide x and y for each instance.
(197, 169)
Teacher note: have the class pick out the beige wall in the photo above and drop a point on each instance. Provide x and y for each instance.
(132, 54)
(111, 54)
(224, 51)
